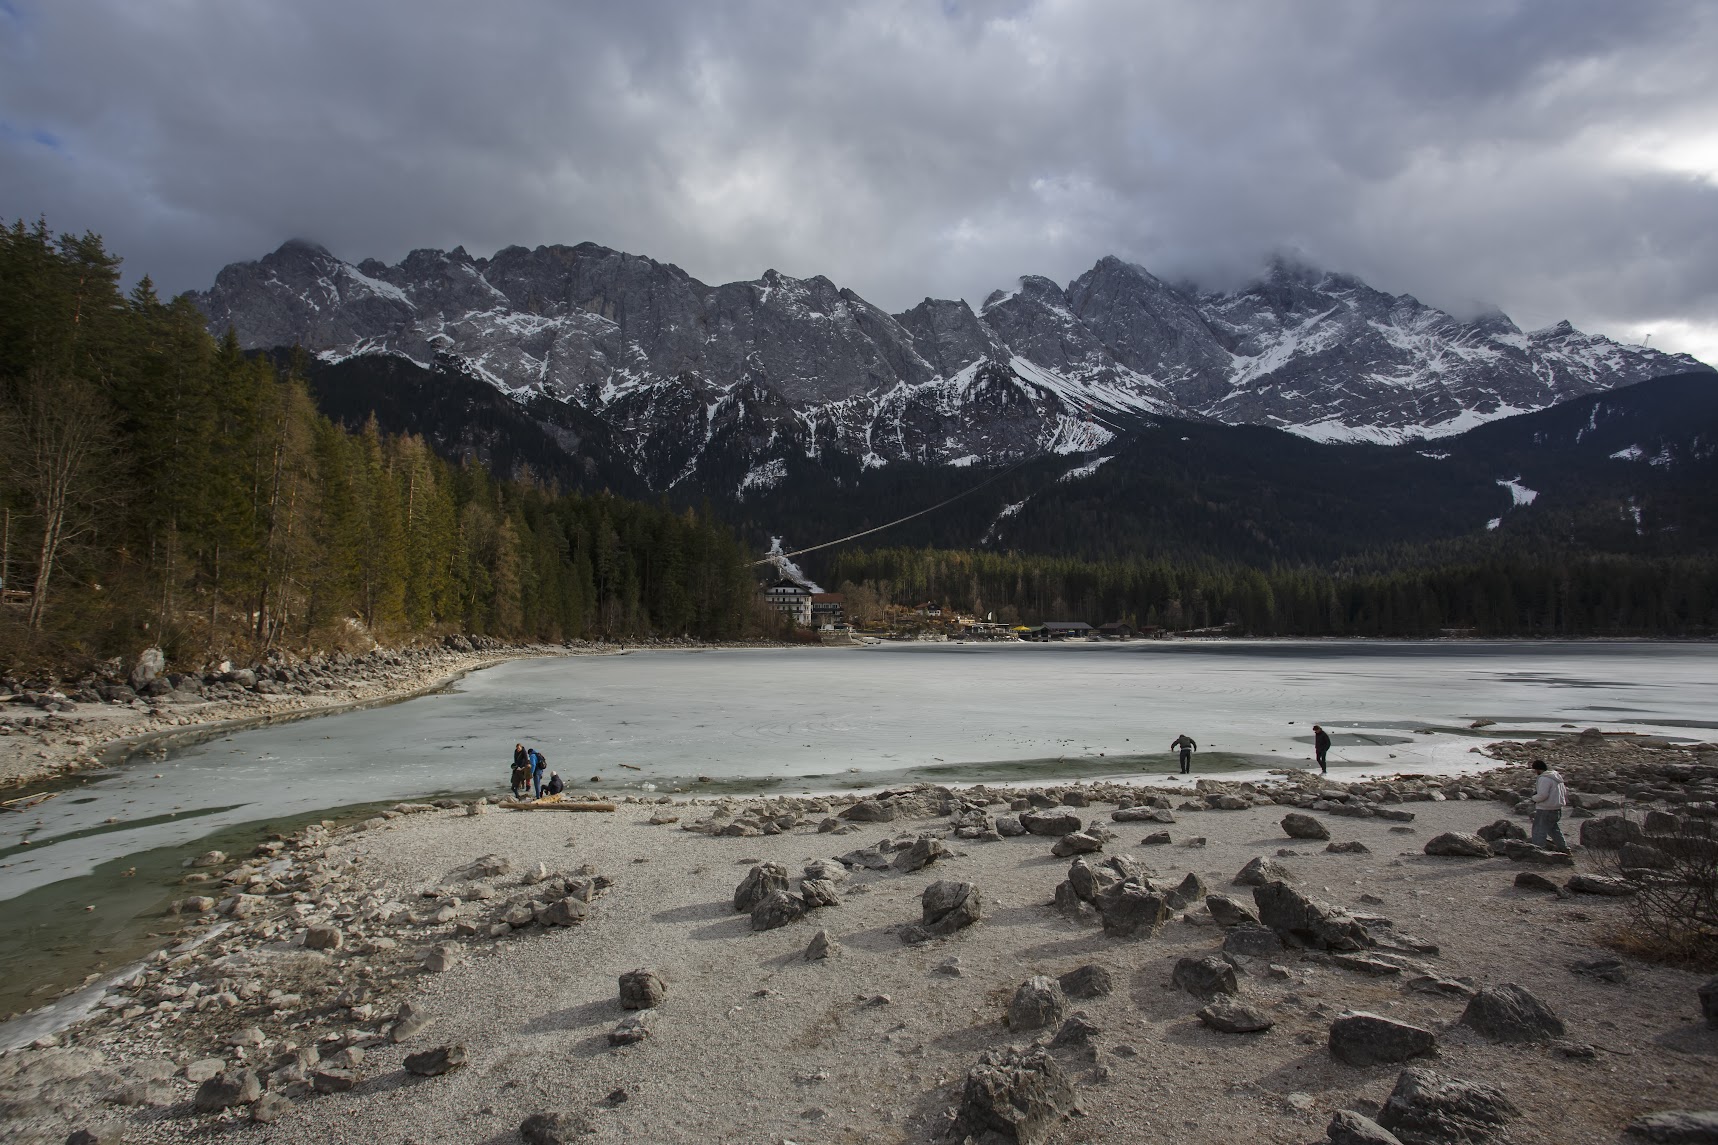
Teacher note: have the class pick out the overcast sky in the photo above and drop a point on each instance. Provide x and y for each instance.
(1555, 158)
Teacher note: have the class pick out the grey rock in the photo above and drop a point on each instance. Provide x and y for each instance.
(946, 906)
(442, 957)
(1143, 815)
(1009, 826)
(1050, 822)
(822, 945)
(1610, 832)
(819, 893)
(1021, 1094)
(1252, 942)
(1428, 1108)
(1088, 981)
(270, 1107)
(226, 1089)
(203, 1069)
(1352, 847)
(1519, 852)
(1076, 843)
(1156, 839)
(1304, 921)
(1534, 881)
(333, 1079)
(1229, 1017)
(632, 1029)
(1076, 1030)
(1365, 1039)
(435, 1062)
(1205, 978)
(1297, 825)
(641, 989)
(1641, 856)
(1448, 987)
(1259, 872)
(558, 1128)
(568, 911)
(1188, 891)
(1227, 911)
(1500, 830)
(1677, 1127)
(1037, 1002)
(1455, 844)
(1129, 910)
(924, 851)
(1606, 885)
(1350, 1128)
(1604, 969)
(871, 811)
(777, 910)
(1510, 1013)
(760, 882)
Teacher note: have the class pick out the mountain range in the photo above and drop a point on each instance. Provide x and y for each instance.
(640, 377)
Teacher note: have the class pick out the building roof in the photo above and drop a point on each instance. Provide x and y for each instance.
(1066, 626)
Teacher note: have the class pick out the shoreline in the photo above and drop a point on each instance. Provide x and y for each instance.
(50, 752)
(312, 949)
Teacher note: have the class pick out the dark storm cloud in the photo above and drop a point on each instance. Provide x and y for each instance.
(1556, 157)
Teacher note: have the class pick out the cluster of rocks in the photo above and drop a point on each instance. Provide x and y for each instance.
(768, 895)
(292, 965)
(1124, 894)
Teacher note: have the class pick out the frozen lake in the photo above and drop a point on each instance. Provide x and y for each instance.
(87, 895)
(821, 719)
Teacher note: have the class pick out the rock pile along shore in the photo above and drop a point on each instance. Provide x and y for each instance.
(999, 964)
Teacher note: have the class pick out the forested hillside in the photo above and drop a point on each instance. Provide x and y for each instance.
(1504, 592)
(158, 486)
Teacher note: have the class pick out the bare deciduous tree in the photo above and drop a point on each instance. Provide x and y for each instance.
(57, 442)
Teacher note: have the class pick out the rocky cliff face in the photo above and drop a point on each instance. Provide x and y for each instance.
(700, 380)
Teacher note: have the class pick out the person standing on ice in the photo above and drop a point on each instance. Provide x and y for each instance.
(1320, 747)
(1185, 745)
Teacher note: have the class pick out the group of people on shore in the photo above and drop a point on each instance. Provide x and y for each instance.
(1184, 747)
(529, 764)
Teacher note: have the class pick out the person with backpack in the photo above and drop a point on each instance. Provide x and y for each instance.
(1321, 747)
(1550, 796)
(538, 765)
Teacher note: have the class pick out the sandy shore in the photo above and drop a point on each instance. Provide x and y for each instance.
(753, 1042)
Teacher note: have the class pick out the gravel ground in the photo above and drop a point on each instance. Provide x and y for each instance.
(753, 1043)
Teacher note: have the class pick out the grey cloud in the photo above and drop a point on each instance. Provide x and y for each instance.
(1466, 152)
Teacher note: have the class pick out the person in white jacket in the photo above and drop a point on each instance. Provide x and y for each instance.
(1550, 796)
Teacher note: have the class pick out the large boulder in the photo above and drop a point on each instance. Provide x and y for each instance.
(1607, 885)
(1610, 832)
(1677, 1127)
(150, 663)
(227, 1089)
(1130, 910)
(1227, 1016)
(1205, 978)
(760, 882)
(1364, 1039)
(946, 906)
(1077, 843)
(777, 910)
(641, 989)
(1510, 1013)
(1018, 1093)
(1298, 825)
(1038, 1002)
(1303, 921)
(1501, 829)
(1088, 981)
(924, 851)
(1457, 845)
(1052, 822)
(1350, 1128)
(872, 811)
(1427, 1108)
(435, 1062)
(1259, 872)
(1226, 911)
(1252, 942)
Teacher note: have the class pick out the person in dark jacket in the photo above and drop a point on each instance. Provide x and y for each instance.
(555, 786)
(1320, 747)
(1186, 747)
(521, 768)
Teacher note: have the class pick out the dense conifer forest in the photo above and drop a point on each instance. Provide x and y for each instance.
(1496, 592)
(157, 486)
